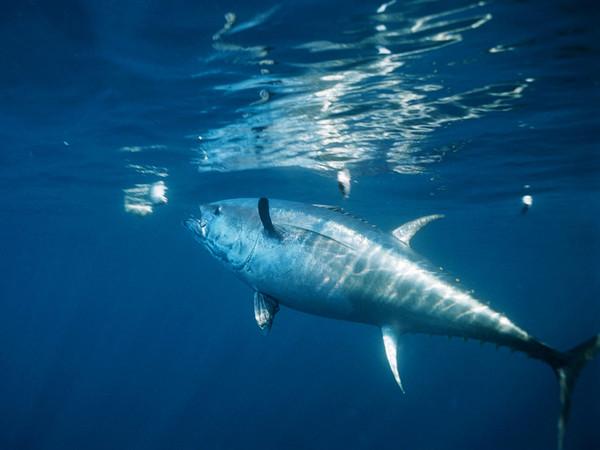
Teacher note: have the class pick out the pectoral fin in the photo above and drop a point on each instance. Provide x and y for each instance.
(265, 218)
(404, 233)
(265, 309)
(390, 342)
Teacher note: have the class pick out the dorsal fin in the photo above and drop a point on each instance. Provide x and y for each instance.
(404, 233)
(265, 217)
(339, 209)
(333, 208)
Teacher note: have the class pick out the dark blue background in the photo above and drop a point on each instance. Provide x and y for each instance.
(119, 332)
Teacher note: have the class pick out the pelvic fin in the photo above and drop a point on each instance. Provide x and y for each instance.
(265, 308)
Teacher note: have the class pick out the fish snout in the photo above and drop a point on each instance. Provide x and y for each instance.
(196, 226)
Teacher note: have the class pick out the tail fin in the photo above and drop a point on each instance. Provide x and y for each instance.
(567, 373)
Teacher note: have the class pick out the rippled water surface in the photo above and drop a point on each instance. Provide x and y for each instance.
(118, 118)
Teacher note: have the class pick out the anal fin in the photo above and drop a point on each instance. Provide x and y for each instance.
(390, 343)
(265, 308)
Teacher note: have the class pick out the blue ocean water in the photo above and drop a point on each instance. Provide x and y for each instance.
(117, 331)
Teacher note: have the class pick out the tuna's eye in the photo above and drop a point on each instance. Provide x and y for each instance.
(217, 210)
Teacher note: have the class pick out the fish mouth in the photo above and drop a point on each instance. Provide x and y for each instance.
(196, 226)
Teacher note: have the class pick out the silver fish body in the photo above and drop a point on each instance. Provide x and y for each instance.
(322, 261)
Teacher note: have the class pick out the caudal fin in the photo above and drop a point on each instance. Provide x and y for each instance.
(567, 373)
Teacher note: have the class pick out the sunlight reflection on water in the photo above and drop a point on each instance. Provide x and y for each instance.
(352, 107)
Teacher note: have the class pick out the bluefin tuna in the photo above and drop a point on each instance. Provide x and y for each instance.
(320, 260)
